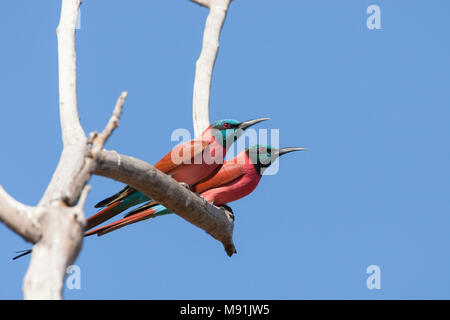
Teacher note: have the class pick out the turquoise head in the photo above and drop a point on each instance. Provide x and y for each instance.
(262, 156)
(228, 130)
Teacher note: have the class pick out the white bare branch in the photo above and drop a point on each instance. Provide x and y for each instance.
(18, 217)
(61, 221)
(204, 3)
(99, 140)
(66, 185)
(83, 197)
(72, 132)
(205, 63)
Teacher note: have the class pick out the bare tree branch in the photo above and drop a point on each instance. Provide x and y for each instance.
(83, 197)
(61, 222)
(205, 63)
(100, 139)
(162, 188)
(204, 3)
(72, 132)
(66, 185)
(62, 225)
(18, 217)
(60, 211)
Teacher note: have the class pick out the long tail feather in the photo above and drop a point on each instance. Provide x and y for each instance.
(22, 253)
(114, 209)
(103, 215)
(149, 210)
(118, 196)
(130, 220)
(136, 217)
(146, 206)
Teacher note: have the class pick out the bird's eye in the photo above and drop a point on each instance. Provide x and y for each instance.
(226, 125)
(262, 150)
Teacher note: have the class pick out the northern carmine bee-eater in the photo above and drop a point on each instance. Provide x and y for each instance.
(191, 163)
(237, 178)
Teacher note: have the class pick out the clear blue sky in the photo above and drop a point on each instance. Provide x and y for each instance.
(373, 107)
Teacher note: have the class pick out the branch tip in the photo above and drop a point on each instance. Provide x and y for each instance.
(83, 196)
(203, 3)
(99, 140)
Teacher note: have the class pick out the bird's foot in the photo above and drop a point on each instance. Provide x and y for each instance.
(226, 208)
(228, 211)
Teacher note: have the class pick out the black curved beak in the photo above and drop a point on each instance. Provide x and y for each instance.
(247, 124)
(290, 149)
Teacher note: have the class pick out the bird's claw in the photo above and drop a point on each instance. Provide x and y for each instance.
(227, 210)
